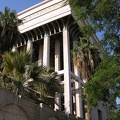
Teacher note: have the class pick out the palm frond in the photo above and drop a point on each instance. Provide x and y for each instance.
(24, 77)
(85, 56)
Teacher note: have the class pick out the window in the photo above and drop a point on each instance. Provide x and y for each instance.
(99, 114)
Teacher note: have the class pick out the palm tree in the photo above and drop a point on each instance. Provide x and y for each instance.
(86, 57)
(13, 70)
(47, 85)
(24, 77)
(9, 33)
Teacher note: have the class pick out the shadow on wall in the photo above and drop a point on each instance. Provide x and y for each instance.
(12, 107)
(12, 112)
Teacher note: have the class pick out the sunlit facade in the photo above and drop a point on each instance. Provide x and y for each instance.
(49, 29)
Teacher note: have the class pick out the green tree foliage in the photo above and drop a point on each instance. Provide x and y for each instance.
(103, 15)
(115, 116)
(105, 83)
(24, 77)
(9, 33)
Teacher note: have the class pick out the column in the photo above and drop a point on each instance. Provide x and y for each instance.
(57, 55)
(46, 51)
(57, 101)
(40, 57)
(14, 49)
(79, 104)
(57, 68)
(29, 45)
(67, 76)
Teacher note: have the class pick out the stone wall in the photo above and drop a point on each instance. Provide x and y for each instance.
(13, 107)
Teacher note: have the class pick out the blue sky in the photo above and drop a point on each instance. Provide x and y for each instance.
(17, 5)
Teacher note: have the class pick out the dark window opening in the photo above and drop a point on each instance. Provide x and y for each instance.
(99, 114)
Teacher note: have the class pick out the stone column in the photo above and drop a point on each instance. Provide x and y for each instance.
(29, 45)
(67, 76)
(14, 49)
(40, 57)
(57, 68)
(46, 51)
(57, 55)
(78, 95)
(57, 101)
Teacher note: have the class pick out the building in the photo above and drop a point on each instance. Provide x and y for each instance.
(48, 29)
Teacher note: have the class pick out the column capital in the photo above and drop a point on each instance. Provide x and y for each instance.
(14, 49)
(65, 28)
(46, 34)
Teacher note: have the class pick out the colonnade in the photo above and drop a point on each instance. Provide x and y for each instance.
(69, 76)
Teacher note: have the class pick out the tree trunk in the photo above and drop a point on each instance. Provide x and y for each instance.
(88, 111)
(88, 114)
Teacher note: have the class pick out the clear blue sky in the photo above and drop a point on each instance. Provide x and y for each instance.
(17, 5)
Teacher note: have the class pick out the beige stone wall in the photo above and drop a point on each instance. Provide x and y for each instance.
(13, 107)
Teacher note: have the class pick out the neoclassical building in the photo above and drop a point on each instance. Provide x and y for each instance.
(49, 29)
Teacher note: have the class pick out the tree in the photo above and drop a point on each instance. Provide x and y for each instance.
(86, 57)
(9, 34)
(105, 83)
(13, 70)
(102, 15)
(115, 116)
(24, 77)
